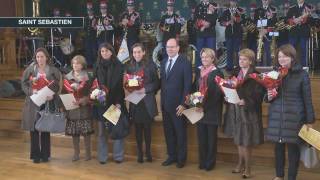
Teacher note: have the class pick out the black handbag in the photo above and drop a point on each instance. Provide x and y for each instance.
(53, 122)
(121, 129)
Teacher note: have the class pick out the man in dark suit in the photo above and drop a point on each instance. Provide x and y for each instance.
(176, 80)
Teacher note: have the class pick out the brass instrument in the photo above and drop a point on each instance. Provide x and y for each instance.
(250, 27)
(260, 45)
(282, 25)
(35, 13)
(273, 47)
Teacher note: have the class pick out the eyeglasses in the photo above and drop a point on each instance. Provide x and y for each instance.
(170, 47)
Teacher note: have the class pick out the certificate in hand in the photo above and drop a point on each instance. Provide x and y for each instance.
(112, 114)
(68, 101)
(231, 95)
(135, 97)
(312, 136)
(193, 115)
(41, 96)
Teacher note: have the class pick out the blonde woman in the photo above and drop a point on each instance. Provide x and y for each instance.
(79, 121)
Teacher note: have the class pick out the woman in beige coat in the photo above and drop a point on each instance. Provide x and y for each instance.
(41, 68)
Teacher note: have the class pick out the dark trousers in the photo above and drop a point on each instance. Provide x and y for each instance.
(233, 46)
(40, 145)
(293, 157)
(207, 139)
(204, 42)
(175, 132)
(91, 51)
(143, 129)
(302, 42)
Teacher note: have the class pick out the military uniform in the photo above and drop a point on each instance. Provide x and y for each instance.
(192, 31)
(299, 33)
(233, 32)
(133, 27)
(90, 40)
(269, 13)
(206, 38)
(105, 32)
(171, 26)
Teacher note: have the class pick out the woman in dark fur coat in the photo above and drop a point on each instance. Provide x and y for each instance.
(244, 120)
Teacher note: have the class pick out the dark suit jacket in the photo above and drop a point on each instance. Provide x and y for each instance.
(212, 103)
(177, 85)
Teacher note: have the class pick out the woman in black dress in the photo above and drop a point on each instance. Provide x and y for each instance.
(143, 113)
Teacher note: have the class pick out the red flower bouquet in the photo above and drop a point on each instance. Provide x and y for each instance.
(232, 82)
(39, 82)
(200, 23)
(74, 87)
(270, 80)
(134, 81)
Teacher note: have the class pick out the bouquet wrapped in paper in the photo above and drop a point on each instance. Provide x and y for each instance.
(195, 99)
(98, 94)
(74, 87)
(134, 81)
(232, 82)
(39, 82)
(270, 80)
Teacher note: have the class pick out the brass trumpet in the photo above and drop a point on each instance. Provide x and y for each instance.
(35, 13)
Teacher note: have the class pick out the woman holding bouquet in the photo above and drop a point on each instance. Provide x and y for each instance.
(211, 107)
(79, 120)
(245, 118)
(39, 74)
(109, 74)
(143, 113)
(290, 108)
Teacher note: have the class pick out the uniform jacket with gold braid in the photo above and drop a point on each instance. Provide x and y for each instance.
(108, 31)
(302, 29)
(201, 13)
(133, 27)
(234, 30)
(262, 13)
(90, 32)
(172, 24)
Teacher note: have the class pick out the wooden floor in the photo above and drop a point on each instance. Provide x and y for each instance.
(15, 164)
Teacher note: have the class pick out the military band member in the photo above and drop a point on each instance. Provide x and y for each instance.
(298, 17)
(191, 28)
(250, 27)
(269, 12)
(232, 18)
(283, 33)
(90, 40)
(170, 23)
(130, 24)
(105, 26)
(206, 16)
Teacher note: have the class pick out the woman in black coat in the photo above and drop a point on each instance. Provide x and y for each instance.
(212, 108)
(143, 113)
(109, 73)
(245, 118)
(289, 110)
